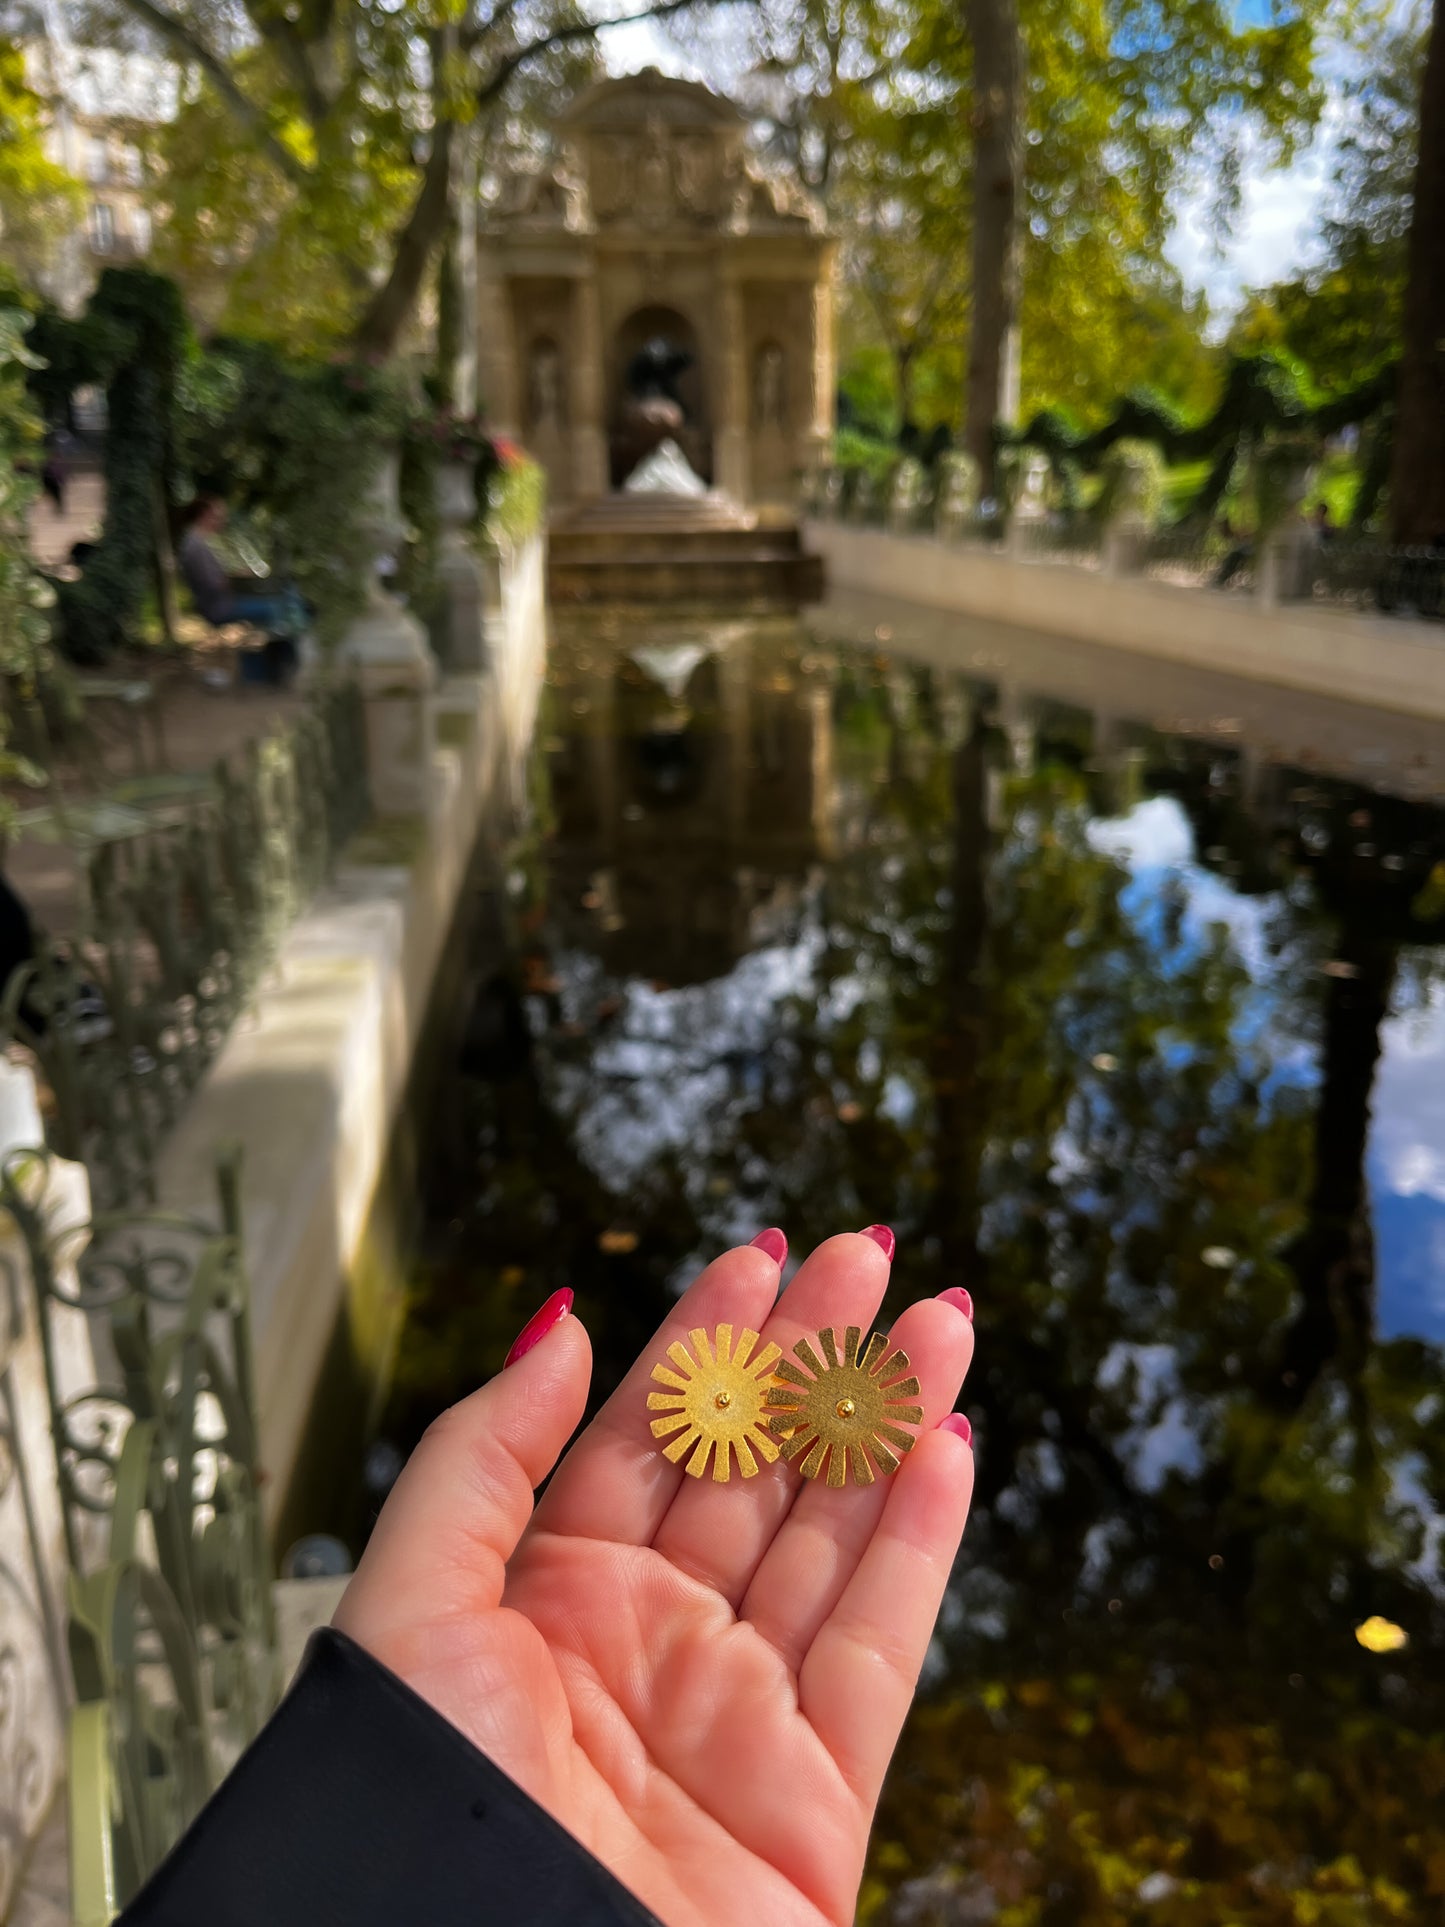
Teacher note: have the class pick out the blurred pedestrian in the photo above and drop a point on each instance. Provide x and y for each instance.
(53, 477)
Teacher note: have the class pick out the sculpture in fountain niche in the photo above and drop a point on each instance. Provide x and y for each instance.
(769, 390)
(546, 384)
(647, 232)
(653, 412)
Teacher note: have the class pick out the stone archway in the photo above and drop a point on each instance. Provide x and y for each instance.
(627, 443)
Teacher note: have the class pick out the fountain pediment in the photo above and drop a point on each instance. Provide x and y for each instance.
(651, 228)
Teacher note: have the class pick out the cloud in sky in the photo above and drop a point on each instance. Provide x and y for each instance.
(1275, 233)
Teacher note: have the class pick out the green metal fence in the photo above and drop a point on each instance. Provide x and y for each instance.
(171, 1629)
(180, 923)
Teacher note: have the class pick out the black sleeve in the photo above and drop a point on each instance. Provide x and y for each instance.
(358, 1806)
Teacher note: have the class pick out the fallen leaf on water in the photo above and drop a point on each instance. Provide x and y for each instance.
(1337, 967)
(849, 1112)
(617, 1243)
(1378, 1635)
(1219, 1257)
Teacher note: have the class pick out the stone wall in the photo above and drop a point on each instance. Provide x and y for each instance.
(311, 1082)
(1387, 662)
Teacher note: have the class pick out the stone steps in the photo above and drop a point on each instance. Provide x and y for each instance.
(756, 577)
(678, 549)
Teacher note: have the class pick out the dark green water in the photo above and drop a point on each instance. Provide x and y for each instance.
(1122, 999)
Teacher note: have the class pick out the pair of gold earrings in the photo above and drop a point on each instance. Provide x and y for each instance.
(844, 1411)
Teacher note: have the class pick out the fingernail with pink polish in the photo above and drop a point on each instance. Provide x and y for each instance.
(959, 1299)
(773, 1242)
(959, 1426)
(883, 1238)
(539, 1324)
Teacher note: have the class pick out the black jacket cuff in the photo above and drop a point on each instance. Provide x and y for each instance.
(359, 1806)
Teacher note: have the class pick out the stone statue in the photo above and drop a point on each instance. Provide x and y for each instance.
(654, 371)
(653, 411)
(693, 161)
(654, 185)
(546, 384)
(768, 387)
(612, 175)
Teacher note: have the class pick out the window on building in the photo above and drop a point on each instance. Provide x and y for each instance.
(97, 160)
(102, 226)
(130, 165)
(140, 229)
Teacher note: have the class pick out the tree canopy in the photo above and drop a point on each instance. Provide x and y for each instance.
(312, 171)
(1124, 107)
(1342, 315)
(39, 201)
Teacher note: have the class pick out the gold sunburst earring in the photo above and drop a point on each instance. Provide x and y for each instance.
(716, 1403)
(847, 1413)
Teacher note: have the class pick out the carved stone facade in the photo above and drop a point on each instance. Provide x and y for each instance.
(652, 221)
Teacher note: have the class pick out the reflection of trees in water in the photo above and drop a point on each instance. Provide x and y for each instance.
(1199, 1467)
(1177, 1637)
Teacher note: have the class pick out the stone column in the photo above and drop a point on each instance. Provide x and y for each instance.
(462, 642)
(818, 435)
(590, 476)
(1018, 713)
(730, 421)
(1030, 509)
(1287, 559)
(496, 348)
(387, 649)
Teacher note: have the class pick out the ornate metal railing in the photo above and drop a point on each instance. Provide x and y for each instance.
(179, 925)
(171, 1630)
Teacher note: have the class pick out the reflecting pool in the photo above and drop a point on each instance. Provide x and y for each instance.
(1120, 994)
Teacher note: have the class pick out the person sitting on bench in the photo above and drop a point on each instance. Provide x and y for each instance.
(221, 597)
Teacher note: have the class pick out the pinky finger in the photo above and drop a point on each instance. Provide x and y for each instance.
(858, 1679)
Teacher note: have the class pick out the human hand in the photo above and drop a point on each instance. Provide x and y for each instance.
(702, 1682)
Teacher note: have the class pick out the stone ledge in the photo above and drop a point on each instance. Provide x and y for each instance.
(1388, 663)
(311, 1080)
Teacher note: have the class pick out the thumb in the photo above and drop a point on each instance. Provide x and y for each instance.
(455, 1515)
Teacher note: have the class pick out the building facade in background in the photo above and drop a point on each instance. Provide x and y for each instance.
(100, 102)
(653, 225)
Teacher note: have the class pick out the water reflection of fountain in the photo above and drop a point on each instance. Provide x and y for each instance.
(693, 781)
(1119, 1084)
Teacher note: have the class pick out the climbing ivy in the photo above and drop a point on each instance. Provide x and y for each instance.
(1265, 398)
(133, 337)
(25, 597)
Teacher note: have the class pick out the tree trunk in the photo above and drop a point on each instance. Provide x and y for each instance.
(1333, 1259)
(998, 151)
(464, 251)
(956, 1054)
(394, 302)
(903, 360)
(163, 566)
(1417, 477)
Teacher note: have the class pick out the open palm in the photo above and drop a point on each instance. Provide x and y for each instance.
(702, 1682)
